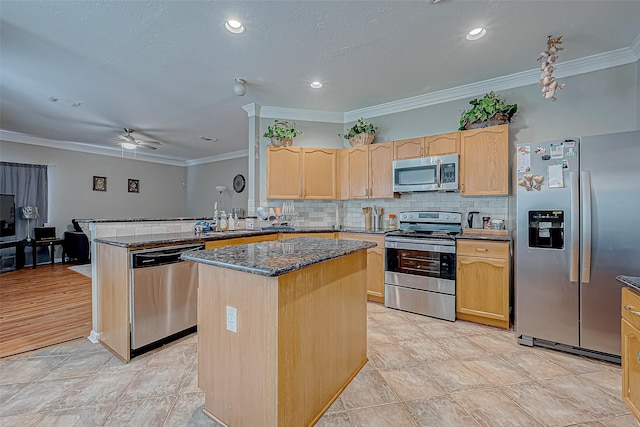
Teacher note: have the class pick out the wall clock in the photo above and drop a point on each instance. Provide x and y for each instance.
(238, 183)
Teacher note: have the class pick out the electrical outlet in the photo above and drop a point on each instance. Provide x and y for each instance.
(232, 319)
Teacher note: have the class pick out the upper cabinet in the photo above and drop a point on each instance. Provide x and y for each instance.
(284, 172)
(435, 145)
(370, 171)
(484, 161)
(301, 173)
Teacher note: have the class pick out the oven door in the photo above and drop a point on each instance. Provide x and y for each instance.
(420, 264)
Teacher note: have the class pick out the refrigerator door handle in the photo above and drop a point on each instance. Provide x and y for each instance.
(575, 229)
(586, 226)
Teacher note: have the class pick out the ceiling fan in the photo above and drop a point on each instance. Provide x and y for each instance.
(131, 143)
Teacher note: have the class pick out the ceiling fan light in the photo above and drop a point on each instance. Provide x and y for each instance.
(128, 145)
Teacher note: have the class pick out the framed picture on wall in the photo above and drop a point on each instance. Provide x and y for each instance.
(134, 186)
(99, 183)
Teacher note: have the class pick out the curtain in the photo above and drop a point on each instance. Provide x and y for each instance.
(29, 184)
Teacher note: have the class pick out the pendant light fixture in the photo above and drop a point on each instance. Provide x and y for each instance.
(240, 87)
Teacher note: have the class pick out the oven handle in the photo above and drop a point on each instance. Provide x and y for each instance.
(411, 245)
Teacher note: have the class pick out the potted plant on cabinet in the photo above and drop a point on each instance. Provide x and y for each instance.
(361, 133)
(282, 133)
(488, 111)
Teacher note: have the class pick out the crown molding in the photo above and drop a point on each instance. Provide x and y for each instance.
(84, 148)
(305, 115)
(566, 69)
(220, 157)
(252, 109)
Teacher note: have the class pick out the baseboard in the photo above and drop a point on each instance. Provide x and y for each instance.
(94, 337)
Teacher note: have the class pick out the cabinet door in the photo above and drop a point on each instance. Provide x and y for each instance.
(631, 367)
(482, 290)
(375, 274)
(284, 172)
(343, 175)
(446, 143)
(484, 161)
(408, 148)
(319, 173)
(381, 170)
(358, 165)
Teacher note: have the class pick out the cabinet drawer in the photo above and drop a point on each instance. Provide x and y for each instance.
(631, 306)
(483, 248)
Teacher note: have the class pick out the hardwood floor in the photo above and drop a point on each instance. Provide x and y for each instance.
(43, 307)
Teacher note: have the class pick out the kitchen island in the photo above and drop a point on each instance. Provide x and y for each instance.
(282, 328)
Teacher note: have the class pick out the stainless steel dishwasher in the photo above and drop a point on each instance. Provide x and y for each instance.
(164, 296)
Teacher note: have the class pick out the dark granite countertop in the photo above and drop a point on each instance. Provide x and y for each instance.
(139, 241)
(275, 258)
(478, 237)
(631, 281)
(89, 220)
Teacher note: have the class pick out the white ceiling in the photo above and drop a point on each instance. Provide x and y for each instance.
(166, 68)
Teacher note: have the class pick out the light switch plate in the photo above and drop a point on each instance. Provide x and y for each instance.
(232, 319)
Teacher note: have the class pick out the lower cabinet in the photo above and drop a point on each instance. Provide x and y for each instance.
(482, 282)
(631, 350)
(375, 264)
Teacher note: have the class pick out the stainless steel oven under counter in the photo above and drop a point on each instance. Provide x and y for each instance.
(420, 267)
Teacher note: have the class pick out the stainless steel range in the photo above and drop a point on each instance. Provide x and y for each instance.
(420, 273)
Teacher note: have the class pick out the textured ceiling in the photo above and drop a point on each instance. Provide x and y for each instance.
(166, 68)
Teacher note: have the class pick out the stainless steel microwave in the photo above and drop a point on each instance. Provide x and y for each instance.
(435, 173)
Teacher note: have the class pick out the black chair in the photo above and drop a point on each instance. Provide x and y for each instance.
(76, 246)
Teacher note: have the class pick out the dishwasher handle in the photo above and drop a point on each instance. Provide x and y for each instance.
(155, 257)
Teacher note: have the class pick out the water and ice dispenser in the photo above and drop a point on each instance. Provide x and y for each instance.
(546, 229)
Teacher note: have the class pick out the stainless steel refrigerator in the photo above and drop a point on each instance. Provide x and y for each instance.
(578, 227)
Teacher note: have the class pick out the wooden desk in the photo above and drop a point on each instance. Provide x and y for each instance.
(34, 244)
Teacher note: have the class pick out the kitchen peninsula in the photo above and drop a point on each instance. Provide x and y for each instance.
(281, 328)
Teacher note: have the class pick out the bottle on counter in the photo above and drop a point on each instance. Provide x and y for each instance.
(224, 225)
(393, 221)
(232, 223)
(214, 225)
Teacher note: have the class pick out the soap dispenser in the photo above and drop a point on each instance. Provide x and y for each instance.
(223, 221)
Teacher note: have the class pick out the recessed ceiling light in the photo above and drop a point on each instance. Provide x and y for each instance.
(476, 33)
(208, 138)
(128, 145)
(234, 26)
(316, 85)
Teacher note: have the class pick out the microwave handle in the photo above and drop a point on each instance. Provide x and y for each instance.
(438, 177)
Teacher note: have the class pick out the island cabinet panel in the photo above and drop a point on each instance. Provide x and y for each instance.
(284, 172)
(319, 167)
(408, 148)
(446, 143)
(375, 264)
(482, 282)
(484, 161)
(631, 350)
(300, 340)
(113, 299)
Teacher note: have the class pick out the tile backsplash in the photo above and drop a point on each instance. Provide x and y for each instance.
(311, 213)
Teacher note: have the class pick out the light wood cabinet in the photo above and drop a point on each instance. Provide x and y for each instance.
(213, 244)
(446, 143)
(375, 264)
(434, 145)
(301, 173)
(408, 148)
(484, 161)
(370, 171)
(482, 282)
(284, 172)
(319, 173)
(631, 350)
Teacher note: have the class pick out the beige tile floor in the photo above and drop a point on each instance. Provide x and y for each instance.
(421, 372)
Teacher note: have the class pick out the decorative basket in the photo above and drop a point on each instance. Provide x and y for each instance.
(496, 120)
(361, 139)
(282, 142)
